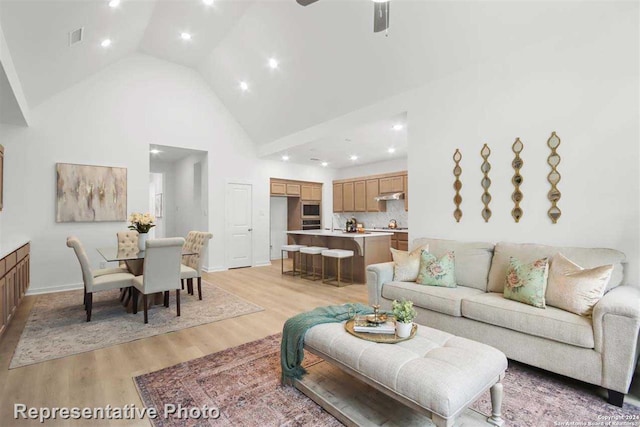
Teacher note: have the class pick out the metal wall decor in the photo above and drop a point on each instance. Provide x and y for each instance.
(516, 196)
(457, 185)
(554, 178)
(486, 182)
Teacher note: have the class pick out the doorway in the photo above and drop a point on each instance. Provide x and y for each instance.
(239, 229)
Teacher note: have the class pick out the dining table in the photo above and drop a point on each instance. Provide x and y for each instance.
(134, 260)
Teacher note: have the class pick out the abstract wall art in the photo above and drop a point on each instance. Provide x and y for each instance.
(90, 193)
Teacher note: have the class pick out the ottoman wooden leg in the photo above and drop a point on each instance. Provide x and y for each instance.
(496, 405)
(441, 422)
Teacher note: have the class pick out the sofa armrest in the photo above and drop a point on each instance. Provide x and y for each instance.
(616, 324)
(378, 275)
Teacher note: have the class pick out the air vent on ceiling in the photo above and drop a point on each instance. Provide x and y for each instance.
(313, 159)
(76, 36)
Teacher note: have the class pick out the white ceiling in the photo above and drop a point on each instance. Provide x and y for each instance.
(10, 112)
(370, 142)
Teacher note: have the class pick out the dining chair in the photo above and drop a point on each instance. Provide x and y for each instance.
(161, 272)
(191, 267)
(97, 280)
(128, 245)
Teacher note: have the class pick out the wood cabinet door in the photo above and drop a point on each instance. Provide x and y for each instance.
(360, 196)
(348, 202)
(393, 184)
(403, 245)
(316, 193)
(306, 192)
(373, 191)
(278, 188)
(3, 306)
(9, 292)
(337, 198)
(406, 193)
(293, 189)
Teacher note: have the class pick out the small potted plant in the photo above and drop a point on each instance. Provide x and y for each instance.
(142, 223)
(404, 313)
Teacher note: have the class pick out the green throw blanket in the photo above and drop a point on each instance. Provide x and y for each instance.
(291, 348)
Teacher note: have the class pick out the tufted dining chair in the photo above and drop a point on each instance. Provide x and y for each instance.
(197, 242)
(127, 244)
(161, 272)
(97, 280)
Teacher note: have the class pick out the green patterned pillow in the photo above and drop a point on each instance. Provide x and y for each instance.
(527, 283)
(434, 272)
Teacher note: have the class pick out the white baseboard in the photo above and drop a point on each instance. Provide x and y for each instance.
(263, 264)
(214, 269)
(52, 289)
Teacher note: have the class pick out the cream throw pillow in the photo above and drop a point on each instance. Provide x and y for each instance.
(407, 264)
(573, 288)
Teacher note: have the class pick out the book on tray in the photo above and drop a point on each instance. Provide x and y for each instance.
(388, 327)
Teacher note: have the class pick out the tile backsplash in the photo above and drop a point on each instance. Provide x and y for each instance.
(395, 210)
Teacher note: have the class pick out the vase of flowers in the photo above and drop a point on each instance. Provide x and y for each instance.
(404, 313)
(142, 223)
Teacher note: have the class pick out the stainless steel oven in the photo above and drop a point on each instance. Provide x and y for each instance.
(311, 224)
(310, 210)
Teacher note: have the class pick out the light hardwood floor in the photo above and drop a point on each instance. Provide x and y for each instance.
(104, 377)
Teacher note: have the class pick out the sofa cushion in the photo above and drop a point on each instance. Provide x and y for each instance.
(551, 323)
(473, 259)
(585, 257)
(435, 298)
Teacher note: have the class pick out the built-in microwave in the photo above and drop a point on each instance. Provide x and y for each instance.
(310, 210)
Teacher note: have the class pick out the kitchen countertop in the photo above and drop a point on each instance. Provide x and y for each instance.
(12, 245)
(384, 230)
(339, 233)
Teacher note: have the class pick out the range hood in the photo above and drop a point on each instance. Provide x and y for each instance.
(390, 196)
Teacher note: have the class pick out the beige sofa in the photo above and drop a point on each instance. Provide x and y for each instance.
(601, 350)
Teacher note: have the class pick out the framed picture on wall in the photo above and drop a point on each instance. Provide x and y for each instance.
(158, 211)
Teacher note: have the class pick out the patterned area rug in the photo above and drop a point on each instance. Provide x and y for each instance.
(244, 383)
(57, 324)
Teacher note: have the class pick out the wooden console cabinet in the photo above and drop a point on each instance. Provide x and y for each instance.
(14, 281)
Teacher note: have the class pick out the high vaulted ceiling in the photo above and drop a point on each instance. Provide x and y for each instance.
(330, 61)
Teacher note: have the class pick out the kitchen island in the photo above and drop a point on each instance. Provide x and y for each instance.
(368, 248)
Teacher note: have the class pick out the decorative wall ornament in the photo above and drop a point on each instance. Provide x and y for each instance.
(90, 193)
(516, 196)
(486, 182)
(457, 185)
(554, 178)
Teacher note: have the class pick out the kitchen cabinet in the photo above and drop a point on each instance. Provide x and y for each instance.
(316, 193)
(338, 205)
(373, 191)
(406, 193)
(393, 184)
(14, 281)
(360, 196)
(348, 202)
(293, 189)
(302, 189)
(278, 189)
(400, 241)
(311, 192)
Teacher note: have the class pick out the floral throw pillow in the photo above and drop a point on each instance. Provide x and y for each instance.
(406, 265)
(437, 272)
(527, 283)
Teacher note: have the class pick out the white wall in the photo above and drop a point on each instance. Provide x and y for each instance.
(110, 119)
(166, 224)
(389, 166)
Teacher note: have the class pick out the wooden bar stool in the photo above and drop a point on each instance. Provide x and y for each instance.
(338, 255)
(295, 249)
(310, 251)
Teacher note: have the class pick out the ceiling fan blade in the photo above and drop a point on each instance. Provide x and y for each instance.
(380, 16)
(306, 2)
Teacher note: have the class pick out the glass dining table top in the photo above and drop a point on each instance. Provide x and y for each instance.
(114, 254)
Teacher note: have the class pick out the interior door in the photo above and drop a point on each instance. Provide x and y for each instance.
(239, 225)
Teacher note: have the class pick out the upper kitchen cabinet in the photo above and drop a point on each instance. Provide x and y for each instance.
(293, 189)
(311, 192)
(278, 188)
(348, 197)
(304, 190)
(373, 191)
(360, 196)
(338, 206)
(392, 184)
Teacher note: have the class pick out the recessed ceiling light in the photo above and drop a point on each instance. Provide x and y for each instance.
(208, 2)
(114, 3)
(397, 126)
(391, 150)
(353, 157)
(155, 151)
(105, 43)
(285, 158)
(273, 63)
(185, 36)
(325, 164)
(244, 86)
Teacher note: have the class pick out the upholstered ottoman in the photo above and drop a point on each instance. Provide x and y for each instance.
(435, 372)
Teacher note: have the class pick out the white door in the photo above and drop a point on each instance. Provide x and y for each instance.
(278, 220)
(239, 228)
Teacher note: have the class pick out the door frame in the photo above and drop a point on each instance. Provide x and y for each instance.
(227, 228)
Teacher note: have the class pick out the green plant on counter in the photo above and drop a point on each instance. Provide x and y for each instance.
(403, 311)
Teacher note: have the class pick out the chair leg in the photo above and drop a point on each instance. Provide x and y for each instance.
(200, 288)
(339, 264)
(146, 309)
(178, 301)
(182, 283)
(190, 286)
(89, 306)
(166, 298)
(85, 300)
(126, 300)
(135, 300)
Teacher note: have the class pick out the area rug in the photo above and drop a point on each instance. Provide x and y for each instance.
(244, 384)
(57, 325)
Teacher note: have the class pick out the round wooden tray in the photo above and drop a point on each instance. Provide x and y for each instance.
(379, 338)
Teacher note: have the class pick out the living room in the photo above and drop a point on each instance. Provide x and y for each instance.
(465, 73)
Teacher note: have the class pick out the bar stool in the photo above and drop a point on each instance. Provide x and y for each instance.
(338, 255)
(295, 249)
(312, 251)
